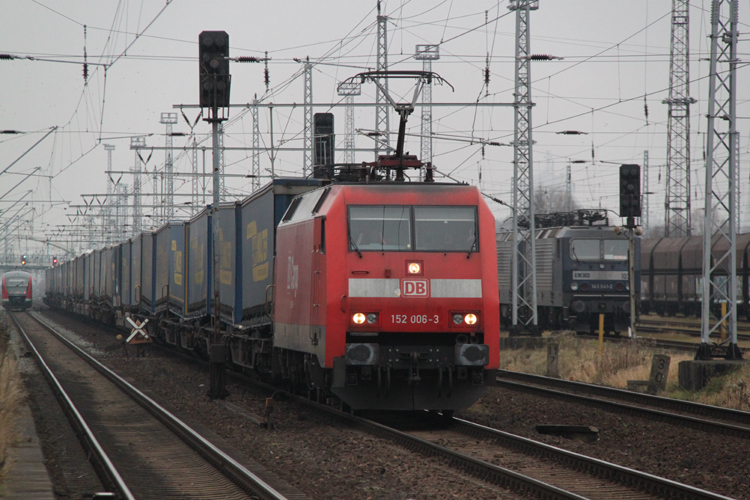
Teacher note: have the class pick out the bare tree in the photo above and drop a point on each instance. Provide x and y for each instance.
(550, 199)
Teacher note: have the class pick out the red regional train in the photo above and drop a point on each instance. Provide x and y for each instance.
(378, 293)
(16, 290)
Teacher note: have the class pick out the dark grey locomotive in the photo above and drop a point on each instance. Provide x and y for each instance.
(582, 272)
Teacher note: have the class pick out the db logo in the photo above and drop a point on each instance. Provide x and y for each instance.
(415, 288)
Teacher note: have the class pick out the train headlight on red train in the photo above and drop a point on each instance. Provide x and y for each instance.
(370, 318)
(465, 318)
(358, 318)
(415, 268)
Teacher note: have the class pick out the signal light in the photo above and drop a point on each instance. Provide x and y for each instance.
(213, 52)
(630, 191)
(23, 260)
(54, 261)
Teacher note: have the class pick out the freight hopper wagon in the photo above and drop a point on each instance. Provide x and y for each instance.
(672, 278)
(581, 272)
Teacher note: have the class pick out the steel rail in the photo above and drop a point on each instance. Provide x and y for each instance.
(205, 448)
(101, 463)
(504, 477)
(715, 412)
(648, 482)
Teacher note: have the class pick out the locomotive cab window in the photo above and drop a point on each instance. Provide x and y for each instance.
(380, 228)
(445, 229)
(585, 249)
(17, 283)
(599, 249)
(616, 249)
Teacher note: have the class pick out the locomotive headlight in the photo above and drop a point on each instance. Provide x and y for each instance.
(358, 318)
(414, 268)
(458, 319)
(372, 318)
(470, 319)
(574, 286)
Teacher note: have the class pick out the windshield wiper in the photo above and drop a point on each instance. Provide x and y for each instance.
(473, 244)
(354, 245)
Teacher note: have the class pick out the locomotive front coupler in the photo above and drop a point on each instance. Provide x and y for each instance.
(414, 377)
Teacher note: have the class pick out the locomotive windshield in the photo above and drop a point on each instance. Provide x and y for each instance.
(17, 283)
(599, 249)
(616, 249)
(445, 229)
(389, 228)
(380, 227)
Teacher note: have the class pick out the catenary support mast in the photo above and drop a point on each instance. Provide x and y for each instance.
(677, 204)
(382, 124)
(720, 219)
(427, 54)
(523, 272)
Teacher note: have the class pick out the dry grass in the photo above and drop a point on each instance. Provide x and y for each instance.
(579, 360)
(10, 399)
(729, 391)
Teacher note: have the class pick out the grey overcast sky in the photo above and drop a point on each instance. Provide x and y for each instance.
(143, 61)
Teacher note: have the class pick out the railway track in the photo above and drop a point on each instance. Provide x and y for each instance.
(513, 462)
(139, 449)
(527, 467)
(684, 326)
(713, 419)
(681, 345)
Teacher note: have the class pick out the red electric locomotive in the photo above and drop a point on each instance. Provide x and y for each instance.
(389, 293)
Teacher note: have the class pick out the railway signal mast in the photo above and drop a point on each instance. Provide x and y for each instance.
(523, 267)
(630, 208)
(720, 222)
(215, 82)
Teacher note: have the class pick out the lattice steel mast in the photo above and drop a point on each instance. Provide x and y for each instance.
(349, 90)
(427, 54)
(720, 269)
(307, 165)
(382, 124)
(136, 142)
(107, 221)
(645, 190)
(523, 271)
(256, 145)
(168, 119)
(677, 204)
